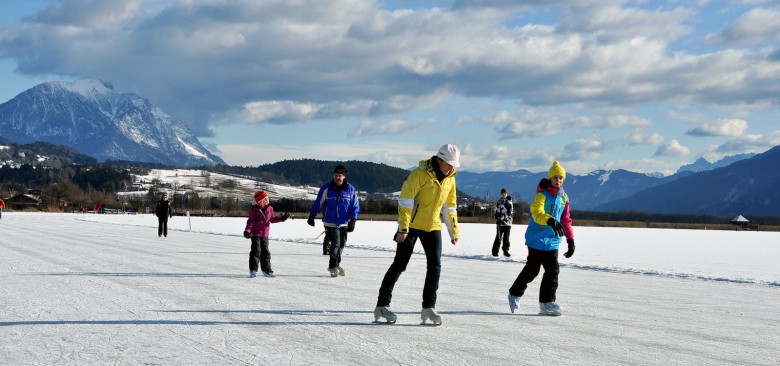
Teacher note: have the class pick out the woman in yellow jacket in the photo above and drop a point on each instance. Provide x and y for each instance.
(427, 200)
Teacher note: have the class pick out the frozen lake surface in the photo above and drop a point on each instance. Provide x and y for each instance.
(104, 289)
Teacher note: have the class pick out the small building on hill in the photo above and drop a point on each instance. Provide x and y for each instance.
(740, 222)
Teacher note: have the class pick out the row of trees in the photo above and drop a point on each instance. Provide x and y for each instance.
(82, 185)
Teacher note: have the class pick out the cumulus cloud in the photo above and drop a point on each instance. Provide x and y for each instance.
(750, 144)
(534, 123)
(584, 149)
(642, 137)
(393, 127)
(755, 26)
(202, 61)
(672, 148)
(618, 121)
(723, 127)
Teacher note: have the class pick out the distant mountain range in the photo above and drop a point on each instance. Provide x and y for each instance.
(741, 185)
(90, 117)
(587, 191)
(702, 164)
(747, 186)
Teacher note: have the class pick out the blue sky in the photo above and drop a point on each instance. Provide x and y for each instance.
(645, 86)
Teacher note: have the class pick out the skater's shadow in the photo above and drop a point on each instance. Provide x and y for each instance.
(137, 274)
(173, 322)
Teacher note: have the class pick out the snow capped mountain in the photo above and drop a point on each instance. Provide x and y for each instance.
(702, 164)
(88, 115)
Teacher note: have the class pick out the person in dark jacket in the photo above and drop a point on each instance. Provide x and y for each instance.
(163, 212)
(339, 204)
(503, 215)
(258, 227)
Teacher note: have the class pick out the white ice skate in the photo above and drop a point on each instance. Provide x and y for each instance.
(549, 308)
(430, 314)
(514, 302)
(252, 274)
(384, 312)
(341, 271)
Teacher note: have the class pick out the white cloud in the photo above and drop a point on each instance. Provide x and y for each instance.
(393, 127)
(672, 148)
(584, 150)
(310, 53)
(625, 120)
(755, 26)
(750, 143)
(724, 127)
(535, 122)
(642, 137)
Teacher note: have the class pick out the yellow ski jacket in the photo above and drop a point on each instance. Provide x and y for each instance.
(425, 202)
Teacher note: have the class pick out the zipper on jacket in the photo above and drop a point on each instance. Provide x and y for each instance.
(414, 213)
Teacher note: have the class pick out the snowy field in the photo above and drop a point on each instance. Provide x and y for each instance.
(104, 289)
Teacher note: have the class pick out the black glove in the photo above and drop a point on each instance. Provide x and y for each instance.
(247, 234)
(571, 248)
(557, 227)
(351, 226)
(285, 216)
(497, 215)
(310, 220)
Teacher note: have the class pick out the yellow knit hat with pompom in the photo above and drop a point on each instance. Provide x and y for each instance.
(556, 170)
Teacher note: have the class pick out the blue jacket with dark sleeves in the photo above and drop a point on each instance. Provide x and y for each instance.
(338, 204)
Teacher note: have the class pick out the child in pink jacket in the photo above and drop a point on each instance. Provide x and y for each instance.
(258, 225)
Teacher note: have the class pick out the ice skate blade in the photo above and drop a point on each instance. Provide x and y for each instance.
(388, 322)
(549, 314)
(431, 324)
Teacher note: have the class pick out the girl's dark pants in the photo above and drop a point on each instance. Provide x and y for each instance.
(338, 239)
(259, 253)
(162, 227)
(539, 258)
(431, 243)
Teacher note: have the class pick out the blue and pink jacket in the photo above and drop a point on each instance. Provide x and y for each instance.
(549, 202)
(260, 219)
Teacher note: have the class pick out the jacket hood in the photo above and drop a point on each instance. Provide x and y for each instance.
(545, 185)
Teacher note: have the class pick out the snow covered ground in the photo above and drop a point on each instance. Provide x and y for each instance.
(104, 289)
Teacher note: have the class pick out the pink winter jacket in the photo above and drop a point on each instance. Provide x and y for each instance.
(260, 219)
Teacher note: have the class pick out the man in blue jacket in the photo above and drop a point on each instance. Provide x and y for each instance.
(339, 205)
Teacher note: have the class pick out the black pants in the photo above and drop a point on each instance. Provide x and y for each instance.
(259, 254)
(338, 239)
(431, 243)
(162, 227)
(539, 258)
(502, 235)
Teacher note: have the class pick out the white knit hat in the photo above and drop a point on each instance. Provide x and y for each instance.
(450, 154)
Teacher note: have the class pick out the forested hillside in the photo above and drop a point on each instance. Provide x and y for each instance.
(365, 176)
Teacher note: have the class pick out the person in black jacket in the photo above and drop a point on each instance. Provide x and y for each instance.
(163, 212)
(503, 215)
